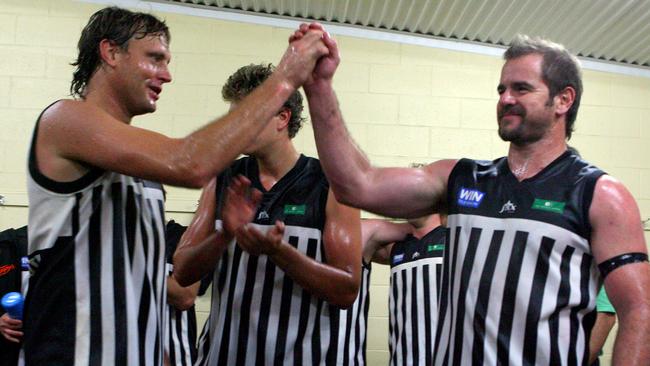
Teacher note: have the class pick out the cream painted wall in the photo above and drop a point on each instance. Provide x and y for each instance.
(402, 103)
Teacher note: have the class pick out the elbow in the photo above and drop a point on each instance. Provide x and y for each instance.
(186, 303)
(345, 296)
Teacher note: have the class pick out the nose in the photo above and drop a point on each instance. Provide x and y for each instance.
(506, 98)
(164, 75)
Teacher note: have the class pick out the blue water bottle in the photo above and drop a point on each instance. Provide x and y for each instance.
(13, 304)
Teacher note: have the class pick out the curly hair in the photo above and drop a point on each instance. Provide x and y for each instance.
(116, 25)
(247, 78)
(560, 69)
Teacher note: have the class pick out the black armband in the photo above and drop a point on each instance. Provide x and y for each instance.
(620, 260)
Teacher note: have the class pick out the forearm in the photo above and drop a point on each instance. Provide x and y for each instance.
(193, 262)
(336, 286)
(182, 298)
(599, 334)
(633, 338)
(345, 165)
(209, 150)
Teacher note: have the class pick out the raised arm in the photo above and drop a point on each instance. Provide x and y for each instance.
(76, 134)
(617, 230)
(377, 237)
(394, 192)
(337, 279)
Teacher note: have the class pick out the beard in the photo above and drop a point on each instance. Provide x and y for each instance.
(531, 128)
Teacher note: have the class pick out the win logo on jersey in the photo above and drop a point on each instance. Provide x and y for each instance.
(470, 197)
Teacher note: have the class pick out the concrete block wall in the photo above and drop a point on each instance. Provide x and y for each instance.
(403, 104)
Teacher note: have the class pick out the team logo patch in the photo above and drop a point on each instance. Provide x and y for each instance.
(470, 197)
(398, 258)
(548, 205)
(508, 207)
(263, 215)
(24, 263)
(294, 209)
(416, 255)
(435, 247)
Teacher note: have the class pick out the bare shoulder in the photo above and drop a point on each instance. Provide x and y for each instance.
(615, 220)
(611, 198)
(440, 169)
(69, 111)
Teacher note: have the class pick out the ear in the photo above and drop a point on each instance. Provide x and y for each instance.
(564, 100)
(283, 118)
(108, 51)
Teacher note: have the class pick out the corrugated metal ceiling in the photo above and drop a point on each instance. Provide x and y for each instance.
(610, 30)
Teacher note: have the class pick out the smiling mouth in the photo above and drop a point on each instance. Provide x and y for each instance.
(155, 90)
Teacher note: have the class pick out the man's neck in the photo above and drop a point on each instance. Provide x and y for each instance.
(100, 93)
(528, 160)
(275, 162)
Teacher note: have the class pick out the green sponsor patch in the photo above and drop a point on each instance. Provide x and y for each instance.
(551, 206)
(294, 209)
(433, 247)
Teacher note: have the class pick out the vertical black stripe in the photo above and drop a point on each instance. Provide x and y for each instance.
(403, 297)
(265, 309)
(172, 349)
(466, 271)
(362, 330)
(414, 316)
(392, 325)
(245, 312)
(446, 298)
(483, 297)
(180, 335)
(315, 340)
(285, 312)
(536, 301)
(158, 287)
(426, 303)
(130, 218)
(332, 348)
(366, 306)
(143, 309)
(143, 318)
(225, 334)
(585, 264)
(119, 273)
(95, 277)
(438, 279)
(348, 330)
(563, 296)
(305, 306)
(510, 297)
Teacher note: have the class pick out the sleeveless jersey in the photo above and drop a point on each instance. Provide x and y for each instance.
(519, 280)
(353, 324)
(416, 265)
(96, 254)
(260, 316)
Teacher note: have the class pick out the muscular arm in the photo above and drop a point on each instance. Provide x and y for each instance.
(337, 280)
(200, 246)
(393, 192)
(377, 237)
(75, 134)
(604, 324)
(616, 224)
(182, 298)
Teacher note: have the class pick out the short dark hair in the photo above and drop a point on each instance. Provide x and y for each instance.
(249, 77)
(559, 69)
(116, 25)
